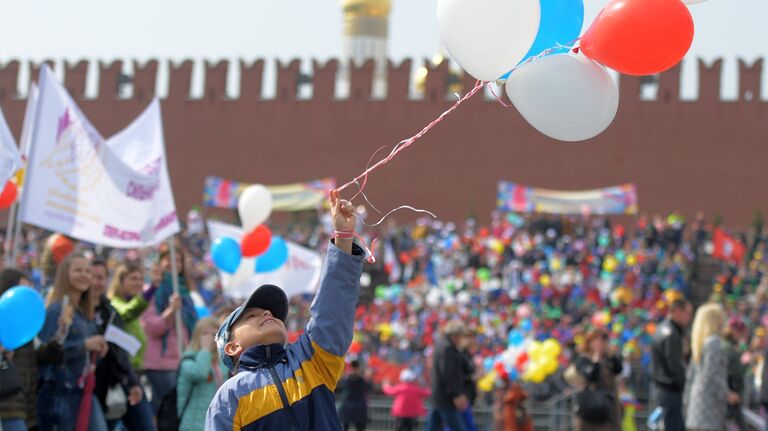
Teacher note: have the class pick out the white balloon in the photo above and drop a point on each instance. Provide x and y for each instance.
(564, 96)
(693, 1)
(255, 206)
(488, 37)
(244, 273)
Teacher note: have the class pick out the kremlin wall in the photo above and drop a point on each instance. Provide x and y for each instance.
(705, 155)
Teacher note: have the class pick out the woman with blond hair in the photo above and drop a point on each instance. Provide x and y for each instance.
(706, 389)
(61, 389)
(199, 376)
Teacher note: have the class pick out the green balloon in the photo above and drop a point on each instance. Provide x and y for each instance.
(380, 292)
(483, 274)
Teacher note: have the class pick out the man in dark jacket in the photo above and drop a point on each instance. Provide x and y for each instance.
(449, 390)
(115, 368)
(668, 364)
(354, 389)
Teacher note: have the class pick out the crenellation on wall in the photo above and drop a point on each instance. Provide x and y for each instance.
(436, 84)
(75, 75)
(322, 81)
(180, 81)
(145, 80)
(287, 80)
(361, 81)
(709, 81)
(9, 78)
(399, 80)
(669, 86)
(216, 80)
(109, 79)
(750, 80)
(251, 79)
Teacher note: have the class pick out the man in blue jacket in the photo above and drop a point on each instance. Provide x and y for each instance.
(279, 386)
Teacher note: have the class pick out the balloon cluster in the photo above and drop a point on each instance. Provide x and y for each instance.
(563, 89)
(22, 314)
(258, 251)
(524, 359)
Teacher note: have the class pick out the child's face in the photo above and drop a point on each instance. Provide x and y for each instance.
(255, 327)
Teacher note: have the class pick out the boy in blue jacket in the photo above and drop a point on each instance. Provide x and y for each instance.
(280, 386)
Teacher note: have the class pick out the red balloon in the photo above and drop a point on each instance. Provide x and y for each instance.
(640, 37)
(8, 196)
(256, 242)
(521, 361)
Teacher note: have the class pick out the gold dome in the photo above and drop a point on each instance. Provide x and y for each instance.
(373, 8)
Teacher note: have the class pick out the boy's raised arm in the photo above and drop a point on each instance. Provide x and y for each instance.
(333, 309)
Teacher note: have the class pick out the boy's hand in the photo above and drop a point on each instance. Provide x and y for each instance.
(343, 217)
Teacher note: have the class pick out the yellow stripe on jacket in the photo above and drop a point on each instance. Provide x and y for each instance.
(323, 369)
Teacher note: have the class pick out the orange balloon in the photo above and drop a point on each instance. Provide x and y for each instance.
(60, 246)
(640, 37)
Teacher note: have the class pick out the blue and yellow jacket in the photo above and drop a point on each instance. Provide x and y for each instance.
(301, 376)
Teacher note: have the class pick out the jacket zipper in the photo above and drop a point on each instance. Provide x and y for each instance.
(279, 384)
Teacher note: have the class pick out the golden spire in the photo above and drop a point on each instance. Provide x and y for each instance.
(373, 8)
(366, 17)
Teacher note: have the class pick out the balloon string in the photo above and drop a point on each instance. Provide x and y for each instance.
(402, 207)
(499, 99)
(408, 142)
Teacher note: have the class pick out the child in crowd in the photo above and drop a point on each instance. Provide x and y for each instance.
(280, 386)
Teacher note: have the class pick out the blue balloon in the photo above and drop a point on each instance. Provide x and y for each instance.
(526, 325)
(488, 363)
(226, 254)
(22, 314)
(516, 338)
(275, 256)
(202, 311)
(561, 23)
(513, 375)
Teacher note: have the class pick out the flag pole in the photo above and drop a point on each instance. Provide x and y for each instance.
(175, 282)
(9, 234)
(25, 144)
(30, 116)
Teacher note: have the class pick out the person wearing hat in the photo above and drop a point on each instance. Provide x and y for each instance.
(449, 392)
(280, 386)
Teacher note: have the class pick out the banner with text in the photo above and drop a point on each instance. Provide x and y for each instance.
(298, 276)
(611, 200)
(223, 193)
(114, 192)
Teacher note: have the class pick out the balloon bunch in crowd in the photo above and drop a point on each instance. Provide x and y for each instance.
(258, 251)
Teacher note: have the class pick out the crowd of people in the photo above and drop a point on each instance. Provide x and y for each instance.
(434, 318)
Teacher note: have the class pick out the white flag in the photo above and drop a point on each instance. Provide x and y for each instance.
(126, 341)
(114, 192)
(10, 158)
(298, 276)
(29, 120)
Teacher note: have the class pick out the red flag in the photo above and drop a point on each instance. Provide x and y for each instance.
(728, 248)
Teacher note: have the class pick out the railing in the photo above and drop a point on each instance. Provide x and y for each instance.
(555, 414)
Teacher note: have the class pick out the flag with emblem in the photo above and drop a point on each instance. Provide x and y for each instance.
(728, 248)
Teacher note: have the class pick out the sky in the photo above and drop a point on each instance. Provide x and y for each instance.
(232, 29)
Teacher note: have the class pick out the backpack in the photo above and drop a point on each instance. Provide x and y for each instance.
(594, 405)
(168, 416)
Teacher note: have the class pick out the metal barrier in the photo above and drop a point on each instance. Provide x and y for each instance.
(553, 415)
